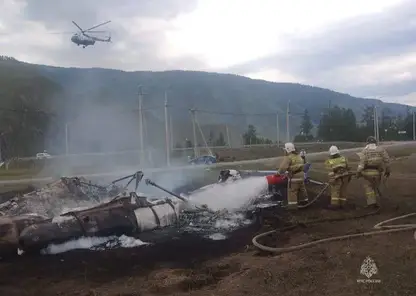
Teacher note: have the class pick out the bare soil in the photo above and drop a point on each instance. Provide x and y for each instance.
(194, 267)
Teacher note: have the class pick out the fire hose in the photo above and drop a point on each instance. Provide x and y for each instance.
(380, 228)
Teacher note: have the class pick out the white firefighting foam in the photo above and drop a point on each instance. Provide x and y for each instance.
(230, 196)
(93, 243)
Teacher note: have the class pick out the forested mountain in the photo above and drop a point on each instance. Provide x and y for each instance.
(99, 107)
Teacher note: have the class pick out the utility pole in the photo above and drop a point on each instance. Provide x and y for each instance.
(66, 139)
(277, 130)
(167, 130)
(228, 135)
(193, 116)
(141, 124)
(374, 122)
(376, 128)
(414, 131)
(172, 145)
(287, 122)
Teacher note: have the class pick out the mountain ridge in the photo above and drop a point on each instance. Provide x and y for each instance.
(221, 98)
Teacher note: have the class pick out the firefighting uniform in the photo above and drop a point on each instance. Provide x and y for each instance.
(338, 179)
(296, 191)
(373, 161)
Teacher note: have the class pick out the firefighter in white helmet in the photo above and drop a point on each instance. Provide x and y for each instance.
(293, 164)
(339, 177)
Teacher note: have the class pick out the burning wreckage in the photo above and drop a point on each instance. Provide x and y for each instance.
(34, 221)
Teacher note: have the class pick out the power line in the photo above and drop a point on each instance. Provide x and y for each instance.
(232, 113)
(162, 107)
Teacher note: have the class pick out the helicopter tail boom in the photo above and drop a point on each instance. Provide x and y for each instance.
(98, 39)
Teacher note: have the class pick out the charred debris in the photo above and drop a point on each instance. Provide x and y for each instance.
(35, 220)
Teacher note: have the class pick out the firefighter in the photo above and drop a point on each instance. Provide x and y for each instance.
(374, 161)
(293, 164)
(339, 177)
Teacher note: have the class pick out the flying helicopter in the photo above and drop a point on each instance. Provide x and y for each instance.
(85, 38)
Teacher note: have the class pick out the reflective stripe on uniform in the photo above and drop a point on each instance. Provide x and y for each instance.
(371, 172)
(292, 202)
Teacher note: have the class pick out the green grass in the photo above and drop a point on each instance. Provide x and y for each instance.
(14, 187)
(19, 172)
(316, 160)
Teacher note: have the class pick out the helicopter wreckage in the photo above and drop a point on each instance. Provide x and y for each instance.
(114, 211)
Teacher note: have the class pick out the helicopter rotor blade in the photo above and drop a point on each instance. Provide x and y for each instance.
(59, 33)
(96, 31)
(78, 27)
(97, 26)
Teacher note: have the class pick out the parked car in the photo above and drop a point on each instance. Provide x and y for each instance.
(203, 159)
(43, 155)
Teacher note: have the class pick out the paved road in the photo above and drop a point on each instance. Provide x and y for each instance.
(189, 167)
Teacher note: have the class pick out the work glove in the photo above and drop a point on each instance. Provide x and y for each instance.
(387, 174)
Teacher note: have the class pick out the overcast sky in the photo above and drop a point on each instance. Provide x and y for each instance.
(362, 47)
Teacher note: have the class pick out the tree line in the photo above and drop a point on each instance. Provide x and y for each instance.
(341, 124)
(336, 124)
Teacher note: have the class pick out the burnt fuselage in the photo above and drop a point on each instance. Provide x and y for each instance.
(118, 217)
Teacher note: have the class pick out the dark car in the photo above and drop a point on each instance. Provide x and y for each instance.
(203, 159)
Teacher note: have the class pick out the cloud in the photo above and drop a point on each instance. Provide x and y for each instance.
(364, 55)
(408, 99)
(365, 48)
(138, 31)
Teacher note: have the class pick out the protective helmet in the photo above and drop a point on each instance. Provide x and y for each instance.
(289, 147)
(371, 140)
(333, 150)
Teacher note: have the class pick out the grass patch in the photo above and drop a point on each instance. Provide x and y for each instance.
(19, 172)
(16, 174)
(12, 187)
